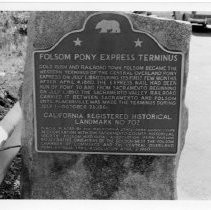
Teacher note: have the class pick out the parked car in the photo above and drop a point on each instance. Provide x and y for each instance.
(194, 17)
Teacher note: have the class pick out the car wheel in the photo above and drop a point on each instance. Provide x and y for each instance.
(204, 25)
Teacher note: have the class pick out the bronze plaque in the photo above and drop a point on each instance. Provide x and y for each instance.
(107, 88)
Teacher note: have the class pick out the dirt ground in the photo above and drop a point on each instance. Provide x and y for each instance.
(194, 175)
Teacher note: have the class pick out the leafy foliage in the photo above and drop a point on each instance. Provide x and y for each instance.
(13, 26)
(10, 187)
(13, 36)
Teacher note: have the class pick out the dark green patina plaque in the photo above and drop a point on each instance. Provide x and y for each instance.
(107, 88)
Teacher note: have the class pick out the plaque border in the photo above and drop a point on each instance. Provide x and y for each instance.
(110, 153)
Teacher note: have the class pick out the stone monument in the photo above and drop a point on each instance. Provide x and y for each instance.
(103, 101)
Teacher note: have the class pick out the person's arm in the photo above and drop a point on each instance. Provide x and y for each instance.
(8, 123)
(12, 125)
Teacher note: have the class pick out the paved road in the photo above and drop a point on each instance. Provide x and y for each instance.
(194, 175)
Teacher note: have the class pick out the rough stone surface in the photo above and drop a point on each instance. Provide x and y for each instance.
(67, 176)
